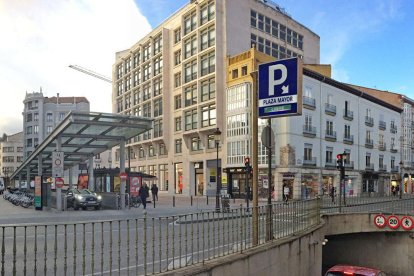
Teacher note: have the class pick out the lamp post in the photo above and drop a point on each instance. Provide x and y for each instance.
(217, 135)
(402, 178)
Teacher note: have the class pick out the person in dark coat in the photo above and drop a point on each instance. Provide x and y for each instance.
(154, 192)
(143, 194)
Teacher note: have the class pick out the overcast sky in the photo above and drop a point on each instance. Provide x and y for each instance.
(368, 43)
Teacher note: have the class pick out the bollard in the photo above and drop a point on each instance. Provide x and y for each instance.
(191, 200)
(154, 201)
(173, 201)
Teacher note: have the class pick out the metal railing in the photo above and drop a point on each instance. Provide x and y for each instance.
(144, 246)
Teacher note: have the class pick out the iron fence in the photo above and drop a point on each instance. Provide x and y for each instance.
(146, 245)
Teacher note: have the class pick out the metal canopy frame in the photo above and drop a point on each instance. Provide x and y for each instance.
(82, 135)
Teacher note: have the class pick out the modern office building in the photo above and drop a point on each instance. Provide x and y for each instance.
(176, 74)
(336, 118)
(11, 153)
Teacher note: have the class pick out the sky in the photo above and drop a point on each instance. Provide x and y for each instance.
(368, 43)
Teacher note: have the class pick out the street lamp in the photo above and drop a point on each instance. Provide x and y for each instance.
(217, 135)
(402, 178)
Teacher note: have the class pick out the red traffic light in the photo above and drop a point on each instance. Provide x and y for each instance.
(338, 156)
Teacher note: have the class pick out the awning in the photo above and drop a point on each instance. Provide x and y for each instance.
(83, 135)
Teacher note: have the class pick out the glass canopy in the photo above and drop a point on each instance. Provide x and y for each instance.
(83, 135)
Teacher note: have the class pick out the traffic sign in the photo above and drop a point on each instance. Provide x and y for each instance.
(57, 164)
(123, 176)
(280, 88)
(407, 223)
(380, 221)
(393, 222)
(59, 182)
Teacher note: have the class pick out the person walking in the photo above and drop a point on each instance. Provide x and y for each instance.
(286, 193)
(143, 194)
(154, 192)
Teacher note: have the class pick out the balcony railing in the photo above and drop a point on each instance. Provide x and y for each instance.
(330, 109)
(330, 163)
(382, 125)
(395, 169)
(369, 143)
(369, 121)
(393, 129)
(369, 167)
(309, 102)
(330, 135)
(348, 139)
(382, 168)
(309, 131)
(382, 146)
(348, 115)
(309, 162)
(393, 149)
(349, 165)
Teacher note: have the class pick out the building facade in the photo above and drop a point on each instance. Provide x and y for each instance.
(336, 118)
(177, 75)
(11, 153)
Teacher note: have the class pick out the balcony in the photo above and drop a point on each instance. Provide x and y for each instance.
(382, 125)
(382, 146)
(369, 143)
(330, 163)
(369, 167)
(369, 121)
(348, 115)
(393, 129)
(395, 169)
(310, 162)
(330, 135)
(382, 168)
(309, 103)
(348, 139)
(330, 109)
(393, 149)
(349, 165)
(309, 131)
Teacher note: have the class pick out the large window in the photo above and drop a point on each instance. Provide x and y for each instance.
(308, 152)
(157, 87)
(146, 92)
(207, 12)
(157, 107)
(238, 125)
(157, 44)
(177, 35)
(147, 71)
(178, 123)
(208, 115)
(196, 144)
(147, 52)
(208, 63)
(177, 102)
(147, 110)
(177, 57)
(190, 46)
(190, 93)
(178, 146)
(158, 128)
(29, 117)
(157, 66)
(49, 117)
(208, 89)
(177, 80)
(207, 38)
(191, 119)
(190, 22)
(190, 70)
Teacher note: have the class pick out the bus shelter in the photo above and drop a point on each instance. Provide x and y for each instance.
(76, 140)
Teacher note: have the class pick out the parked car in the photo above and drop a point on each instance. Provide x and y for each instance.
(345, 270)
(83, 199)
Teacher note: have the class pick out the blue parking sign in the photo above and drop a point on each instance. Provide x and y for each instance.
(280, 88)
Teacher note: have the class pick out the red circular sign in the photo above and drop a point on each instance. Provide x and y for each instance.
(407, 223)
(123, 176)
(393, 222)
(380, 221)
(59, 182)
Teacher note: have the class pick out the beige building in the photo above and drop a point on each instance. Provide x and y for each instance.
(11, 153)
(176, 74)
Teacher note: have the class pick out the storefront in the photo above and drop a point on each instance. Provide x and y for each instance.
(309, 186)
(108, 180)
(236, 178)
(178, 178)
(199, 178)
(369, 182)
(327, 183)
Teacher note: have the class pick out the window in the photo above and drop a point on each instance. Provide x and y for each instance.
(35, 129)
(29, 143)
(177, 35)
(8, 149)
(162, 150)
(29, 117)
(49, 117)
(177, 57)
(136, 59)
(207, 38)
(235, 73)
(244, 71)
(177, 123)
(190, 47)
(207, 12)
(36, 117)
(329, 128)
(208, 89)
(158, 131)
(177, 80)
(177, 102)
(308, 121)
(196, 144)
(392, 162)
(208, 63)
(190, 70)
(146, 108)
(157, 44)
(190, 94)
(211, 142)
(308, 152)
(35, 142)
(368, 159)
(137, 76)
(381, 161)
(347, 133)
(136, 97)
(328, 155)
(178, 146)
(138, 111)
(157, 66)
(158, 107)
(190, 22)
(208, 114)
(157, 87)
(147, 71)
(48, 129)
(146, 52)
(141, 152)
(146, 92)
(190, 119)
(29, 130)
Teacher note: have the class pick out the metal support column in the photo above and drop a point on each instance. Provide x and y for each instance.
(255, 167)
(122, 170)
(58, 190)
(91, 180)
(70, 177)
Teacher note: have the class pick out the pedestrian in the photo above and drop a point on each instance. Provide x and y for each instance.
(332, 194)
(393, 190)
(286, 191)
(154, 192)
(180, 186)
(143, 194)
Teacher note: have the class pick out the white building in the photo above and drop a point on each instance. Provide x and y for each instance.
(11, 153)
(176, 75)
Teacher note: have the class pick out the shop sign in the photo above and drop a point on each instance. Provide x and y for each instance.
(288, 175)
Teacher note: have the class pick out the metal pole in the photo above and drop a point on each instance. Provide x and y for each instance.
(402, 178)
(217, 179)
(255, 137)
(122, 170)
(269, 232)
(247, 190)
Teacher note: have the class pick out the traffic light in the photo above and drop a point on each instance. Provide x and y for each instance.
(339, 161)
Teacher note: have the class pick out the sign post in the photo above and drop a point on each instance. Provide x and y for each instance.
(57, 164)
